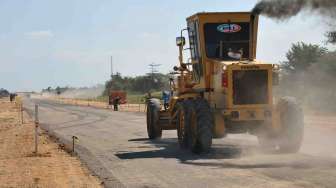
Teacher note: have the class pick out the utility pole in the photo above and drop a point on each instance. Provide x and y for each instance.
(36, 129)
(111, 67)
(153, 69)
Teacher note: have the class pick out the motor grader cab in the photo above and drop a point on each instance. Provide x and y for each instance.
(223, 89)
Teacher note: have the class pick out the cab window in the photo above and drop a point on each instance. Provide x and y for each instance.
(227, 41)
(194, 49)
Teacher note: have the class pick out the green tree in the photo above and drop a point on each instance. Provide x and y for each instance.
(309, 74)
(58, 90)
(301, 56)
(331, 37)
(327, 63)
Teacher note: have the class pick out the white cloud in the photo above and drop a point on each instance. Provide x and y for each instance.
(39, 34)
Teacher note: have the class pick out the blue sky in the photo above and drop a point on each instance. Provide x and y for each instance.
(69, 42)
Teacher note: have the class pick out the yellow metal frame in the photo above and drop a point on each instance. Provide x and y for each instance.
(213, 68)
(220, 17)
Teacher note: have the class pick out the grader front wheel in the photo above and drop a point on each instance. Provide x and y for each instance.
(183, 124)
(201, 126)
(153, 109)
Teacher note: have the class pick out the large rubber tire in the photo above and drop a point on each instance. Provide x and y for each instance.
(292, 122)
(183, 121)
(292, 127)
(153, 129)
(201, 126)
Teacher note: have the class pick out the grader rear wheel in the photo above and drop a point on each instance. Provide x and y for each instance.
(183, 123)
(291, 120)
(201, 126)
(153, 109)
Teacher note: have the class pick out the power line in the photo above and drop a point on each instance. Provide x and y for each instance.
(153, 69)
(111, 67)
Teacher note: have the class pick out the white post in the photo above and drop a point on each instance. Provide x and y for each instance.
(36, 127)
(21, 109)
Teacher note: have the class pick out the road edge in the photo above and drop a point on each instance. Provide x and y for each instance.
(85, 156)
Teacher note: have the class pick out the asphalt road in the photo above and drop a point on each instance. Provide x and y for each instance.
(115, 146)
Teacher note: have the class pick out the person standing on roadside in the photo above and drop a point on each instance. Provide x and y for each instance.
(116, 102)
(165, 98)
(12, 97)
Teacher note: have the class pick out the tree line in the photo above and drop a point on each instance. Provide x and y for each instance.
(4, 92)
(138, 84)
(309, 74)
(57, 90)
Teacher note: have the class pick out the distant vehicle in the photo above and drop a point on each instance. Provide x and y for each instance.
(121, 94)
(4, 93)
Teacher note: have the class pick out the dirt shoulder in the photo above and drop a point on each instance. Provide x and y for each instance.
(96, 104)
(19, 167)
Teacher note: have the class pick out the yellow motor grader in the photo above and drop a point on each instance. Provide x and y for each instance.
(223, 89)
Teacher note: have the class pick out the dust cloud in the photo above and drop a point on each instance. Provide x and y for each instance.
(83, 93)
(78, 93)
(315, 90)
(314, 87)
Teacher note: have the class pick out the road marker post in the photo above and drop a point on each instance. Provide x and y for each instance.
(36, 128)
(21, 109)
(74, 138)
(19, 106)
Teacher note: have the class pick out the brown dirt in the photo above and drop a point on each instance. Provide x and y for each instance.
(20, 167)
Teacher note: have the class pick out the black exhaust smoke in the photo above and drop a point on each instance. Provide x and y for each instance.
(279, 9)
(285, 9)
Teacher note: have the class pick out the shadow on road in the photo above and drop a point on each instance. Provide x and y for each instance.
(296, 165)
(168, 148)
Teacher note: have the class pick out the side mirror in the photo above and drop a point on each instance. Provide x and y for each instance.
(180, 41)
